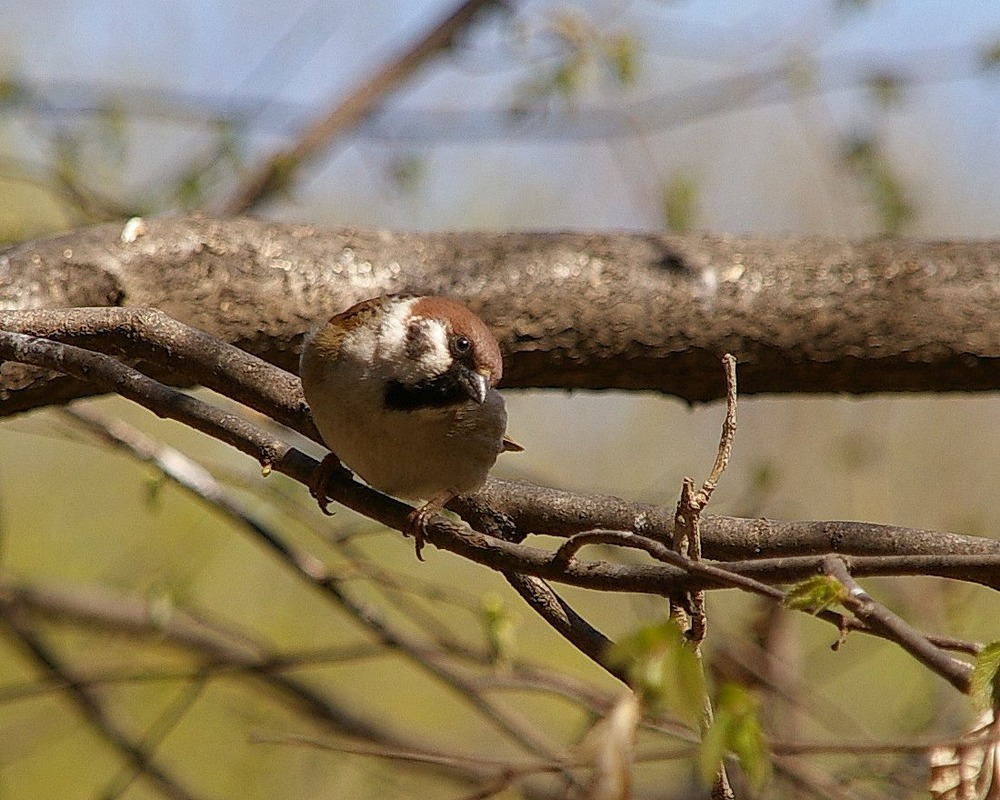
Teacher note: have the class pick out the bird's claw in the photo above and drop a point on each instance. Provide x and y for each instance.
(416, 526)
(416, 521)
(319, 481)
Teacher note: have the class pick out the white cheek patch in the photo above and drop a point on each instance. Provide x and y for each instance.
(417, 349)
(428, 354)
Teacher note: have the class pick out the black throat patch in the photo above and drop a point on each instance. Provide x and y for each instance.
(440, 392)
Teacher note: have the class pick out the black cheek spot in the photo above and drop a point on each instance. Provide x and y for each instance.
(417, 342)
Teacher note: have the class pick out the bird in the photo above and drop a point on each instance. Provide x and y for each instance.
(402, 390)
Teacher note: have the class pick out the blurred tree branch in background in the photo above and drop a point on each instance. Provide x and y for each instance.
(88, 129)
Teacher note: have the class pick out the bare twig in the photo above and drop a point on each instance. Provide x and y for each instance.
(878, 617)
(90, 705)
(561, 616)
(495, 553)
(277, 172)
(221, 649)
(690, 612)
(721, 576)
(687, 518)
(311, 569)
(166, 722)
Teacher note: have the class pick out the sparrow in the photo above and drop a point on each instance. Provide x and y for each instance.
(402, 390)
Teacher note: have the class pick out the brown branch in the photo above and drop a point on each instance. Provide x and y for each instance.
(565, 556)
(313, 571)
(223, 651)
(276, 174)
(545, 602)
(175, 353)
(572, 310)
(686, 537)
(522, 507)
(879, 618)
(217, 646)
(975, 560)
(495, 553)
(508, 509)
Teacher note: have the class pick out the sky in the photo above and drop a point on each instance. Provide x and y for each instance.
(763, 162)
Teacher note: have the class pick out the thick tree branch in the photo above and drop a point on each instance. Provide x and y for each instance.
(572, 310)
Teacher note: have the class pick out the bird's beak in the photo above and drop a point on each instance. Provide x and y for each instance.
(475, 384)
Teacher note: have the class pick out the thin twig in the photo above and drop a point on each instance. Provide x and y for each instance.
(878, 617)
(312, 570)
(552, 608)
(687, 518)
(221, 649)
(565, 556)
(166, 722)
(276, 173)
(91, 706)
(690, 611)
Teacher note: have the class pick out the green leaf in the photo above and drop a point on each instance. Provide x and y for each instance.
(499, 627)
(816, 594)
(985, 687)
(408, 172)
(622, 53)
(154, 486)
(680, 203)
(736, 729)
(67, 156)
(765, 476)
(713, 747)
(566, 78)
(663, 669)
(853, 5)
(11, 91)
(866, 156)
(284, 168)
(860, 152)
(112, 132)
(189, 190)
(890, 199)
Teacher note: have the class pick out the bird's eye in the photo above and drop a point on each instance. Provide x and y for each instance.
(461, 344)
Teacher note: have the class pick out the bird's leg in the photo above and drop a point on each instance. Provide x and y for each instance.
(321, 477)
(416, 522)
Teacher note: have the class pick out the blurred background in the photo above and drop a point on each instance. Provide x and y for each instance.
(851, 118)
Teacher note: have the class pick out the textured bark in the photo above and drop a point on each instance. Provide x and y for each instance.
(572, 310)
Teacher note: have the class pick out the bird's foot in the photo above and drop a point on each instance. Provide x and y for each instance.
(416, 522)
(319, 481)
